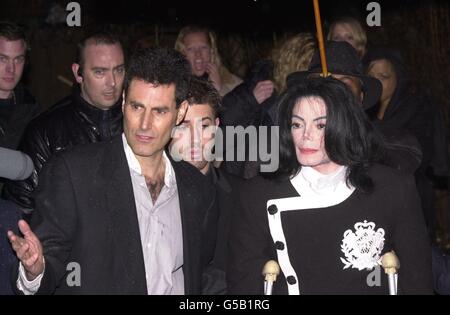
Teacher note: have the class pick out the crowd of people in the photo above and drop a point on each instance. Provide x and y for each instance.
(132, 179)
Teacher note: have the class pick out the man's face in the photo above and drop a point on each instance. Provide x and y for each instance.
(12, 61)
(102, 73)
(150, 114)
(353, 83)
(194, 138)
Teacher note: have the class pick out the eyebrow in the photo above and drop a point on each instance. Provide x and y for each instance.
(318, 118)
(135, 103)
(107, 69)
(3, 55)
(203, 119)
(162, 107)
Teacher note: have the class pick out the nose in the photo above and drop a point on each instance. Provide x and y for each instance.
(111, 79)
(197, 53)
(146, 121)
(196, 134)
(307, 134)
(10, 67)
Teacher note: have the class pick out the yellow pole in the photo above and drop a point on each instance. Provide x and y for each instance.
(323, 58)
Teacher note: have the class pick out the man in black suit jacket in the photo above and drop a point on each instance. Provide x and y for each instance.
(89, 209)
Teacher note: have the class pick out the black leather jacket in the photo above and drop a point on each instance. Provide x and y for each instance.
(12, 126)
(70, 122)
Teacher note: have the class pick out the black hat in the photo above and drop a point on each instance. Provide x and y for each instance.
(342, 58)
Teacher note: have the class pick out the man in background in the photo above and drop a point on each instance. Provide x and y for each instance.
(91, 114)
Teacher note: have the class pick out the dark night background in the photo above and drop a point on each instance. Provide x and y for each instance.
(231, 15)
(247, 31)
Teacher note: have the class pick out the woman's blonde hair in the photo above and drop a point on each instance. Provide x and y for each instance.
(359, 34)
(293, 54)
(225, 74)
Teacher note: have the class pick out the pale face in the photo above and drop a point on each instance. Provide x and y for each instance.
(342, 32)
(197, 51)
(384, 71)
(194, 138)
(309, 118)
(150, 114)
(103, 74)
(12, 62)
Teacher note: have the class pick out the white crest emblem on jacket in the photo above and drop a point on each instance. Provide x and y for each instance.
(362, 248)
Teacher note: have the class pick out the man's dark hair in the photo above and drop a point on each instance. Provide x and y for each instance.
(98, 37)
(160, 66)
(202, 91)
(13, 32)
(350, 138)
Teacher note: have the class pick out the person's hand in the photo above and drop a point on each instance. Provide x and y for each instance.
(263, 90)
(29, 250)
(214, 75)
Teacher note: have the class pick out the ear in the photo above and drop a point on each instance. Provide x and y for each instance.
(182, 112)
(75, 68)
(217, 122)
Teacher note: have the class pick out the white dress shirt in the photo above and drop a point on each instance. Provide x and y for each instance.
(160, 229)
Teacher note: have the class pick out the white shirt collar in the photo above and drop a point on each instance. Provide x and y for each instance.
(320, 183)
(327, 189)
(323, 181)
(133, 164)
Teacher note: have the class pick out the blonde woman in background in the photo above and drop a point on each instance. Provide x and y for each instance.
(349, 30)
(199, 45)
(294, 54)
(253, 103)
